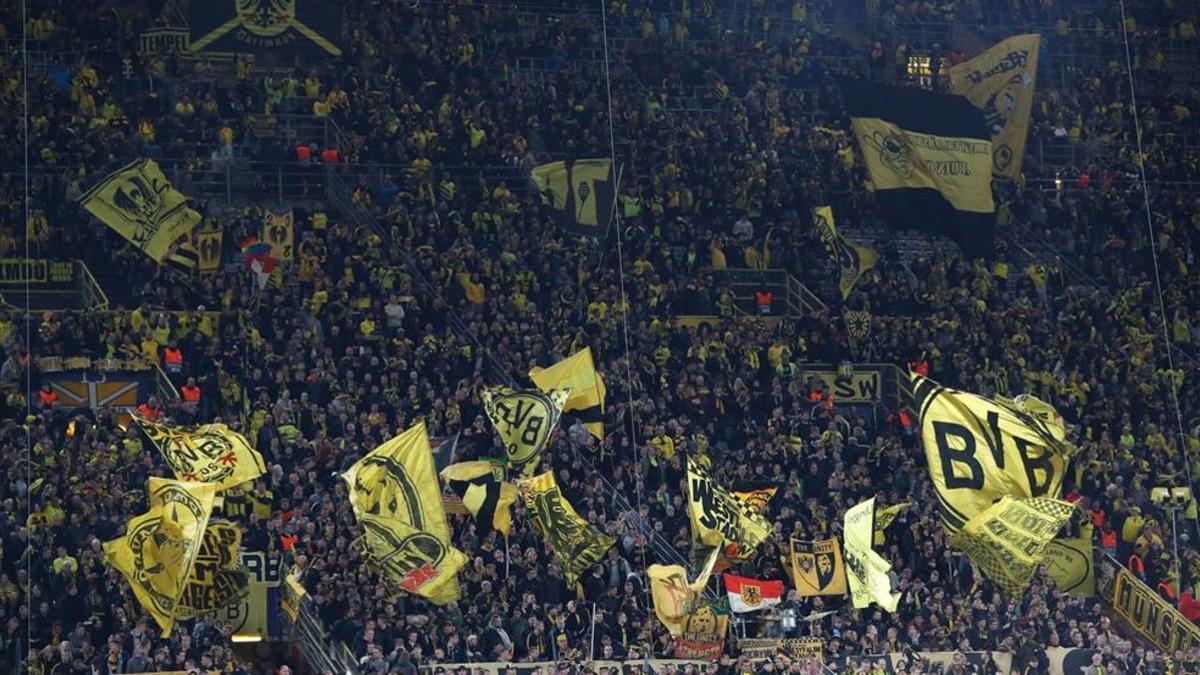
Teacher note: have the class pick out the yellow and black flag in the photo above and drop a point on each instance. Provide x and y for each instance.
(396, 497)
(1000, 82)
(208, 246)
(160, 547)
(139, 203)
(885, 517)
(719, 518)
(578, 373)
(279, 232)
(481, 487)
(576, 544)
(524, 418)
(675, 597)
(929, 157)
(217, 580)
(852, 260)
(818, 568)
(755, 494)
(583, 190)
(866, 570)
(210, 453)
(1008, 540)
(980, 450)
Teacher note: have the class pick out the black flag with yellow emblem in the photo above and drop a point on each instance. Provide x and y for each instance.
(279, 26)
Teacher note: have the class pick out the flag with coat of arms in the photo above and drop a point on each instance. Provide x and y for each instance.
(751, 595)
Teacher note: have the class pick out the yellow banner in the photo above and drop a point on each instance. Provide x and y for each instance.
(1154, 618)
(279, 231)
(1071, 563)
(852, 260)
(576, 544)
(979, 450)
(867, 571)
(718, 517)
(577, 373)
(396, 496)
(217, 580)
(858, 386)
(1006, 540)
(1000, 82)
(758, 499)
(139, 203)
(208, 247)
(211, 453)
(674, 598)
(160, 547)
(898, 158)
(484, 494)
(818, 568)
(524, 419)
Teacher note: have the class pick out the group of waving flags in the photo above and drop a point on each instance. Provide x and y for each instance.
(179, 562)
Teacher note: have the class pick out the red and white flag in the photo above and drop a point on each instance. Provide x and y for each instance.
(749, 595)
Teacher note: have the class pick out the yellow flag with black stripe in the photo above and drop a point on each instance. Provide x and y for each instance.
(395, 495)
(209, 245)
(867, 571)
(210, 453)
(1008, 540)
(818, 567)
(1000, 82)
(160, 547)
(484, 493)
(980, 450)
(584, 191)
(139, 203)
(718, 517)
(852, 260)
(576, 544)
(674, 597)
(524, 419)
(577, 373)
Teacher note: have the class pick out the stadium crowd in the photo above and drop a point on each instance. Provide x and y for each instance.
(730, 131)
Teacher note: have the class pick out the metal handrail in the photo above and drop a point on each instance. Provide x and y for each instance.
(91, 291)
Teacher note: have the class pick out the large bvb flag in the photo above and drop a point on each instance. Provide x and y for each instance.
(285, 26)
(583, 190)
(396, 496)
(980, 450)
(929, 156)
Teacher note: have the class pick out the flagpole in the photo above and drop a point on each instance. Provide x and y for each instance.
(592, 641)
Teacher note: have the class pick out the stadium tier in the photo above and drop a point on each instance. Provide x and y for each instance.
(599, 336)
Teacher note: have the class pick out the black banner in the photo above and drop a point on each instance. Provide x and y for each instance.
(251, 26)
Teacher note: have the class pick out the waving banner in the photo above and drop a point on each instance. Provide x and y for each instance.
(139, 203)
(396, 496)
(160, 547)
(211, 453)
(576, 544)
(719, 517)
(524, 418)
(217, 580)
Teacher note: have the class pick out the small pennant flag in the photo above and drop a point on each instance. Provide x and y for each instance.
(751, 595)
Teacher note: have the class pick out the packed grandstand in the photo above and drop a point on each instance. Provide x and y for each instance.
(406, 212)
